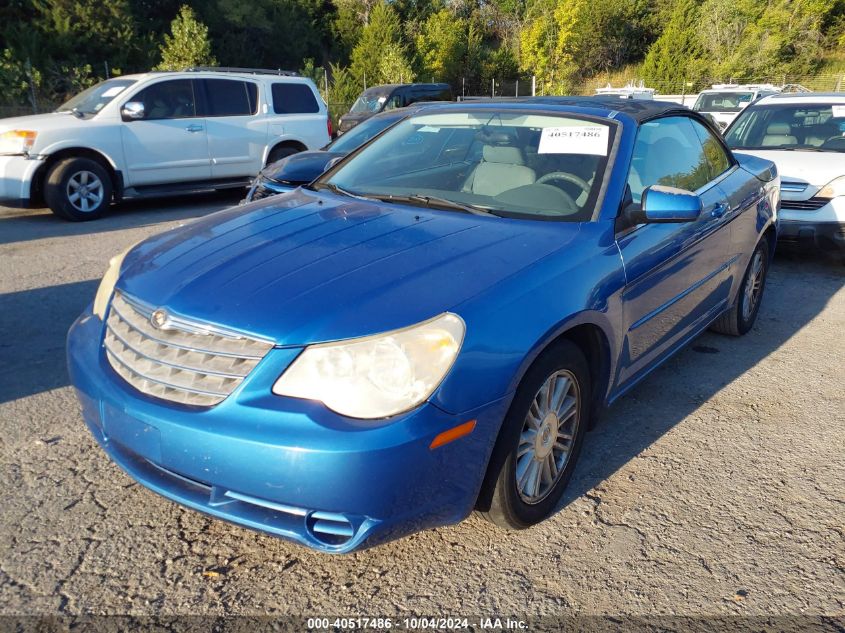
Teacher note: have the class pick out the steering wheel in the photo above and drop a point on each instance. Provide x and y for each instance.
(567, 177)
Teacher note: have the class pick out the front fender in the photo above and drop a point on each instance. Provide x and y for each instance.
(509, 325)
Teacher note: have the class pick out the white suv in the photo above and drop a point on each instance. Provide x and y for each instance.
(158, 133)
(724, 102)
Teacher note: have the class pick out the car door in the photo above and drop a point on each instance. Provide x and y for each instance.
(743, 193)
(237, 133)
(677, 274)
(169, 144)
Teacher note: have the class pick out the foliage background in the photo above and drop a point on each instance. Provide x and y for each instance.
(50, 49)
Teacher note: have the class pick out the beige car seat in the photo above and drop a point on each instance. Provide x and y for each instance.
(501, 168)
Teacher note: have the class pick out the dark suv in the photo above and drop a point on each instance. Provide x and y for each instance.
(388, 97)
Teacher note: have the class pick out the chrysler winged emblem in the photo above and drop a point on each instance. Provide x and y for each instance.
(159, 318)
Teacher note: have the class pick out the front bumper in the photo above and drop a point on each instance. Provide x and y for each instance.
(813, 235)
(813, 228)
(16, 176)
(284, 466)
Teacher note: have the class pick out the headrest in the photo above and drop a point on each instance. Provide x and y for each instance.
(779, 129)
(502, 154)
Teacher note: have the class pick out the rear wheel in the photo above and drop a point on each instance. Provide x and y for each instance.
(540, 439)
(740, 318)
(78, 189)
(278, 153)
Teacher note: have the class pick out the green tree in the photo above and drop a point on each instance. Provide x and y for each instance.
(676, 56)
(548, 43)
(381, 39)
(188, 44)
(268, 33)
(442, 47)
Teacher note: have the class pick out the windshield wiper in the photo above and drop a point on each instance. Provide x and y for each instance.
(433, 202)
(335, 189)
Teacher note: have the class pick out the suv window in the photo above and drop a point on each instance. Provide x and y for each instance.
(294, 98)
(230, 97)
(717, 158)
(668, 152)
(172, 99)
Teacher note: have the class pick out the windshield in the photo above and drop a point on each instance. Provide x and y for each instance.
(361, 133)
(501, 163)
(722, 101)
(95, 98)
(370, 100)
(790, 126)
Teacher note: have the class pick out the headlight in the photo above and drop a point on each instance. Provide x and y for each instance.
(17, 141)
(104, 292)
(834, 188)
(376, 376)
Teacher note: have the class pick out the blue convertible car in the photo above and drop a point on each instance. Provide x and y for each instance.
(431, 326)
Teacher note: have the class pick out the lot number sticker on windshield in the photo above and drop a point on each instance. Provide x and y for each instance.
(114, 91)
(838, 111)
(574, 139)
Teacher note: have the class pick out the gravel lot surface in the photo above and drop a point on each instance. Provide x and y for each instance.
(715, 487)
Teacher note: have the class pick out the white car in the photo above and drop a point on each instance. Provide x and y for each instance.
(804, 135)
(158, 133)
(724, 102)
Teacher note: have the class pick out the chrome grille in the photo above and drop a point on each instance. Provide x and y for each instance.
(183, 361)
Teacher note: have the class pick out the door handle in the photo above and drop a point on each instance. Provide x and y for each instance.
(194, 128)
(719, 209)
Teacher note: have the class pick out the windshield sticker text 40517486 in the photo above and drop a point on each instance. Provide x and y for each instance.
(574, 139)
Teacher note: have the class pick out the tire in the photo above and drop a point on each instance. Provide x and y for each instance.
(516, 503)
(740, 317)
(278, 153)
(67, 178)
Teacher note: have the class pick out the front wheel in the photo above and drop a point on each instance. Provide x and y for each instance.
(740, 318)
(540, 439)
(78, 189)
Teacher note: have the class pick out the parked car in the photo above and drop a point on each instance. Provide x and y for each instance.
(300, 169)
(158, 133)
(389, 97)
(428, 328)
(725, 101)
(804, 135)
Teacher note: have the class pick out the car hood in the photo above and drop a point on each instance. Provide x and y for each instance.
(299, 168)
(350, 120)
(38, 122)
(813, 169)
(304, 267)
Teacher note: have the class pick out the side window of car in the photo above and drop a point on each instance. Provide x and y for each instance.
(230, 97)
(172, 99)
(717, 158)
(293, 98)
(668, 152)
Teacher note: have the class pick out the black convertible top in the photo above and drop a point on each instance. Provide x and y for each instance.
(638, 109)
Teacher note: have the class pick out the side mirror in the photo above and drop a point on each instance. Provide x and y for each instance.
(668, 204)
(132, 111)
(334, 161)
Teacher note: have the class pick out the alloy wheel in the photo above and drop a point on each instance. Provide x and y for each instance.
(85, 191)
(548, 433)
(753, 286)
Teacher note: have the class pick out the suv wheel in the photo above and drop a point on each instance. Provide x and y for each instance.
(78, 189)
(278, 153)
